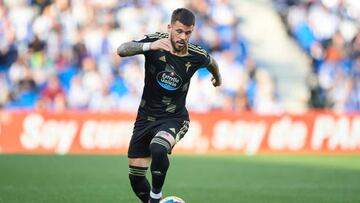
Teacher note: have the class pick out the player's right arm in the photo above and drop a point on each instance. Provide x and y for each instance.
(133, 48)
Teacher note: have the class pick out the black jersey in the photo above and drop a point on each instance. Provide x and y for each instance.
(167, 79)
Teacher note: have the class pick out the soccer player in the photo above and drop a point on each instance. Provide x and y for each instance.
(162, 119)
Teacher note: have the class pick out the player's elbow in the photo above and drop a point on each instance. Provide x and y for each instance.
(121, 51)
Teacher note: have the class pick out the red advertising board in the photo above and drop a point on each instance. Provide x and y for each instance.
(215, 132)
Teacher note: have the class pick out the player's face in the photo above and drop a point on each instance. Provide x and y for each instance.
(180, 35)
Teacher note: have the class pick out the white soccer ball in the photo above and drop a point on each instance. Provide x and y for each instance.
(172, 199)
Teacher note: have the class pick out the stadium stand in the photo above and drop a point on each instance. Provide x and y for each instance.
(328, 32)
(60, 54)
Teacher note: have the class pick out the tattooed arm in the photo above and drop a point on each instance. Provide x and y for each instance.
(130, 49)
(214, 70)
(133, 48)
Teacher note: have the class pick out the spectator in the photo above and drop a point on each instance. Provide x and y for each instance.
(328, 31)
(76, 41)
(52, 97)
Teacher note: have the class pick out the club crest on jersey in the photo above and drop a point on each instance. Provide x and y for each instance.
(169, 80)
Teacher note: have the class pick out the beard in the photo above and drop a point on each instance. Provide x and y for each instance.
(176, 46)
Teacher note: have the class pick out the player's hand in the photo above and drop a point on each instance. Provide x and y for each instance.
(162, 44)
(216, 81)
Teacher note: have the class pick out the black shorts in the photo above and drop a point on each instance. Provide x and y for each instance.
(145, 130)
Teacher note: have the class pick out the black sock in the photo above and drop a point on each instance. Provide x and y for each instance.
(159, 148)
(139, 183)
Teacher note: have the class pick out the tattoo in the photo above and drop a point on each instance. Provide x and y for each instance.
(130, 49)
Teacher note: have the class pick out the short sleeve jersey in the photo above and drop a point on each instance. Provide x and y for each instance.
(167, 79)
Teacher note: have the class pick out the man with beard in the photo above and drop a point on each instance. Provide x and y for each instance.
(162, 119)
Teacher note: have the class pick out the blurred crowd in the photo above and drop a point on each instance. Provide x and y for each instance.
(61, 54)
(329, 32)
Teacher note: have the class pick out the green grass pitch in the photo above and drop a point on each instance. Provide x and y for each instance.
(196, 179)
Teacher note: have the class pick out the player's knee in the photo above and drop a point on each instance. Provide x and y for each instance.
(159, 147)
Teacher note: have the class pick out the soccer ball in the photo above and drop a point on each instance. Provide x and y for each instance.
(172, 199)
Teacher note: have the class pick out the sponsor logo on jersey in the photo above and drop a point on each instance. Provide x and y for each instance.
(169, 80)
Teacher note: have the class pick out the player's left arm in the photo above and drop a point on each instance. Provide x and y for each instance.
(213, 68)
